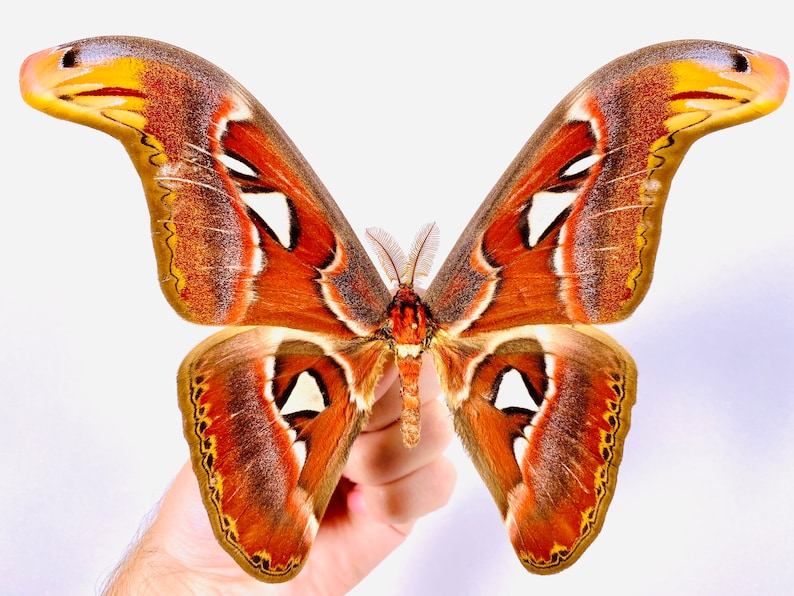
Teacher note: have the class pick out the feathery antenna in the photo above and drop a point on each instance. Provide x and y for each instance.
(397, 266)
(423, 251)
(391, 256)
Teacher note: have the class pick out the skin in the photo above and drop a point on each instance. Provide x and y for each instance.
(384, 490)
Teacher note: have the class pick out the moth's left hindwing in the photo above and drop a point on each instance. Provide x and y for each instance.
(270, 415)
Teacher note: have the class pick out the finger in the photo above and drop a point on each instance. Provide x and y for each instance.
(380, 457)
(386, 408)
(376, 521)
(402, 502)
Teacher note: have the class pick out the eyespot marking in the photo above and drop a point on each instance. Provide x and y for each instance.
(70, 58)
(579, 165)
(305, 396)
(274, 212)
(512, 393)
(543, 212)
(237, 166)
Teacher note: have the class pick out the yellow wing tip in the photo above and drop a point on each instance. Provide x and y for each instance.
(775, 72)
(102, 93)
(33, 76)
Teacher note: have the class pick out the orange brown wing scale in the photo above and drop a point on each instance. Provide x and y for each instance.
(270, 415)
(549, 457)
(207, 152)
(245, 234)
(570, 231)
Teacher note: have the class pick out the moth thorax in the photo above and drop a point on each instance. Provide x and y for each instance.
(408, 320)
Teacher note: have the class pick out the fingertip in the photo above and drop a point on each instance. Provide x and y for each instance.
(446, 475)
(355, 502)
(438, 421)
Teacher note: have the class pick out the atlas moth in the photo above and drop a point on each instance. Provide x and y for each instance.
(566, 239)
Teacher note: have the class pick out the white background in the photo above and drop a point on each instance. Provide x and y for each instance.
(408, 114)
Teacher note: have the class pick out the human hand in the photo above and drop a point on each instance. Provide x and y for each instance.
(384, 489)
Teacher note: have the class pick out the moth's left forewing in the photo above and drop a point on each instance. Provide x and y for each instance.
(570, 231)
(549, 450)
(242, 227)
(270, 415)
